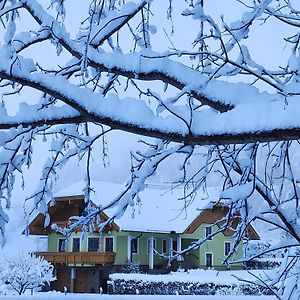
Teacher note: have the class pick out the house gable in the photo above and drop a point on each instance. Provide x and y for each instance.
(213, 216)
(61, 211)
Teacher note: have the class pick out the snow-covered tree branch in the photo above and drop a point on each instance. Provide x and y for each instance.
(174, 72)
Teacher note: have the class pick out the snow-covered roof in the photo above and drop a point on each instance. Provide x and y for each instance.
(161, 208)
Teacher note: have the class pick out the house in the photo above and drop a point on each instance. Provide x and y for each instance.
(147, 233)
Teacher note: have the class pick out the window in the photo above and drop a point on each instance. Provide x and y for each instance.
(93, 244)
(164, 246)
(135, 245)
(148, 245)
(208, 232)
(208, 260)
(61, 245)
(109, 244)
(226, 248)
(76, 245)
(174, 245)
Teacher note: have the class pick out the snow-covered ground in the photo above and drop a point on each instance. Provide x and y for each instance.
(53, 296)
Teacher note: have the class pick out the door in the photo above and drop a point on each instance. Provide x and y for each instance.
(81, 281)
(63, 279)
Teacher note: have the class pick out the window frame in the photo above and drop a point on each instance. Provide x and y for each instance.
(76, 238)
(62, 243)
(137, 245)
(162, 246)
(175, 242)
(90, 238)
(225, 249)
(208, 228)
(212, 260)
(113, 243)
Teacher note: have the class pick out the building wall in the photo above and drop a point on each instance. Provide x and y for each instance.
(142, 256)
(54, 237)
(120, 245)
(216, 246)
(87, 279)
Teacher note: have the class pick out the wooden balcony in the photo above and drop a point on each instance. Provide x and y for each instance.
(95, 258)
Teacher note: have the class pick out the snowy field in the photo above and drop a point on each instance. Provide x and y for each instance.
(53, 296)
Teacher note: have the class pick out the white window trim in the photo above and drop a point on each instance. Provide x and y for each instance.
(212, 260)
(154, 245)
(162, 246)
(208, 226)
(137, 246)
(109, 237)
(93, 237)
(226, 242)
(58, 244)
(79, 243)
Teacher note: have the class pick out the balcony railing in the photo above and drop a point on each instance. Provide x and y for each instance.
(95, 258)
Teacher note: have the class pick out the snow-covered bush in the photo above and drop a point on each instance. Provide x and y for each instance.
(3, 289)
(26, 272)
(256, 246)
(130, 267)
(263, 264)
(191, 282)
(129, 287)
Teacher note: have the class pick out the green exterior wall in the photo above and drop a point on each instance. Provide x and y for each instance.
(142, 256)
(196, 256)
(216, 246)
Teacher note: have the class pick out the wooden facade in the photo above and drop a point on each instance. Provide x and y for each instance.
(216, 216)
(85, 279)
(64, 208)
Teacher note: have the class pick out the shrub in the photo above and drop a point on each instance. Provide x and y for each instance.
(131, 267)
(26, 272)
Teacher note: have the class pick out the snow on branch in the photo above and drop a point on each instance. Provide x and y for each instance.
(204, 98)
(207, 127)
